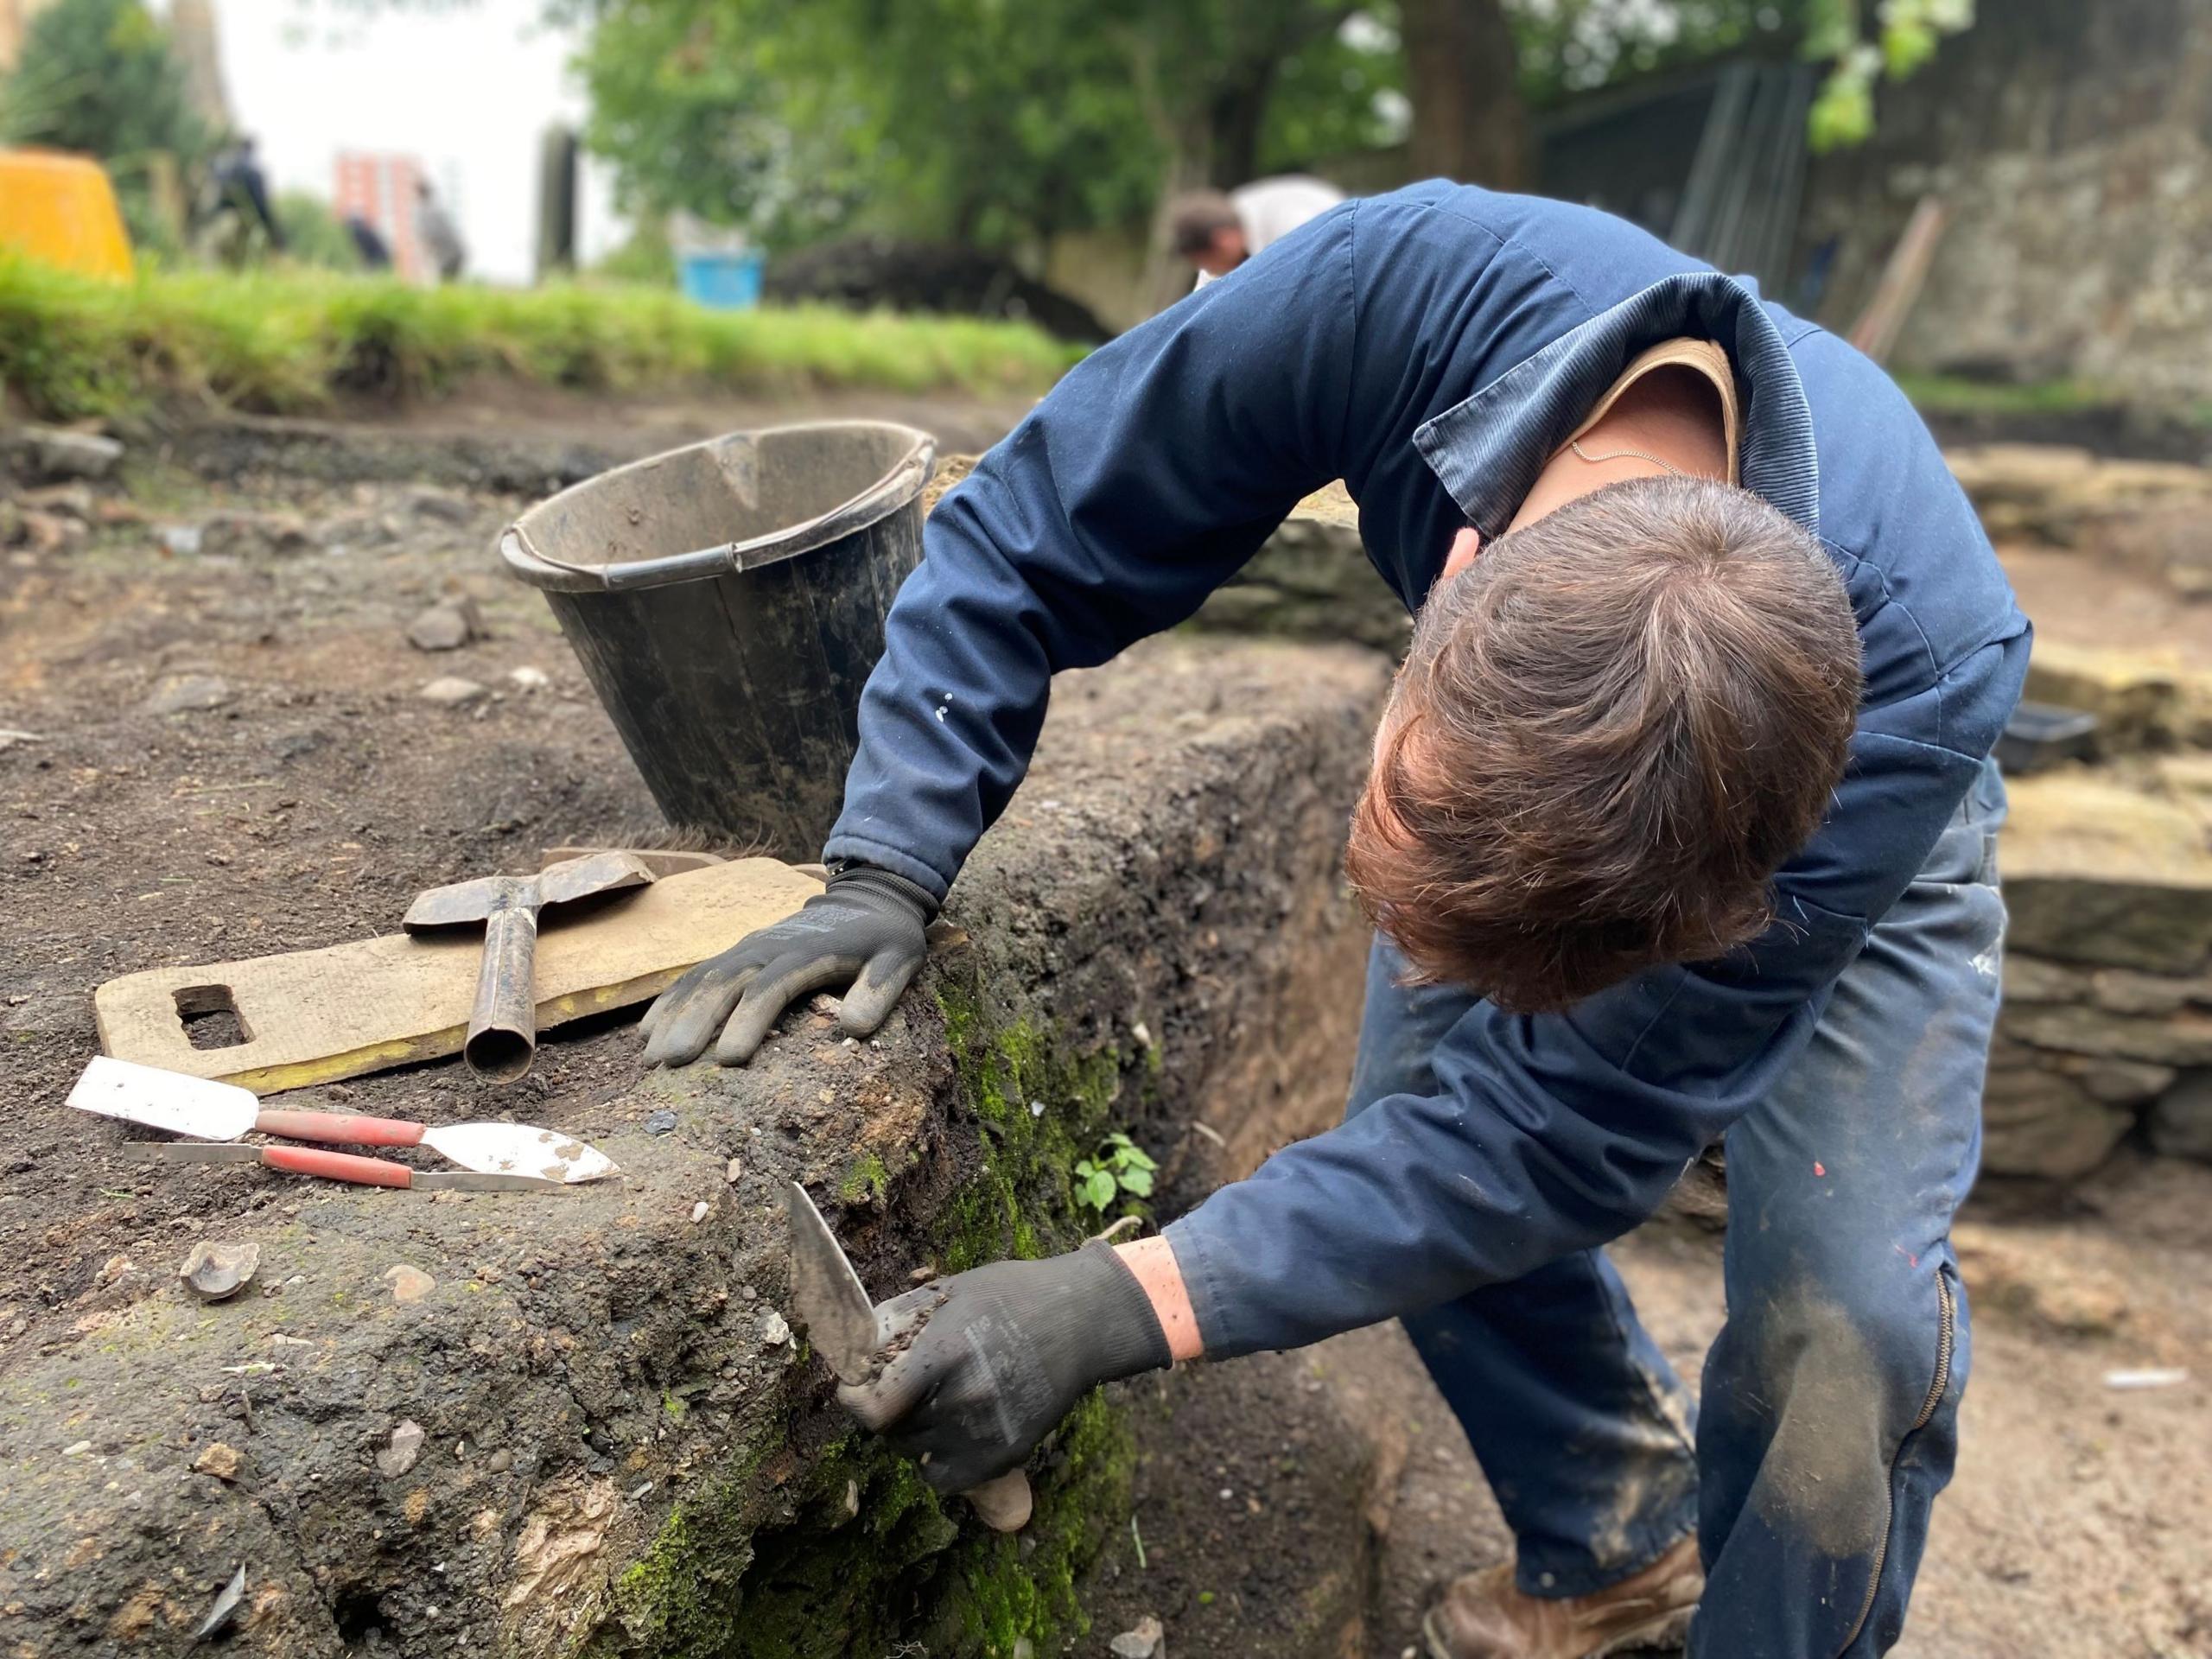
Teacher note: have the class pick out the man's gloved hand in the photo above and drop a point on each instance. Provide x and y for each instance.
(868, 927)
(993, 1358)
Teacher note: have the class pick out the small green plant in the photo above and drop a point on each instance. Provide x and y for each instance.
(1119, 1165)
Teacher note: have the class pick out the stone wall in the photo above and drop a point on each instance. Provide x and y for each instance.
(2107, 1030)
(2068, 141)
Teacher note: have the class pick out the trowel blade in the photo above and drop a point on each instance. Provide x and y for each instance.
(198, 1107)
(827, 1294)
(519, 1150)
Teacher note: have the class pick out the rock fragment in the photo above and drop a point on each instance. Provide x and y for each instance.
(189, 694)
(214, 1272)
(441, 627)
(221, 1460)
(55, 453)
(404, 1448)
(660, 1123)
(1148, 1641)
(408, 1284)
(451, 691)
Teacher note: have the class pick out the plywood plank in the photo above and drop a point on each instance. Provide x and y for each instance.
(313, 1016)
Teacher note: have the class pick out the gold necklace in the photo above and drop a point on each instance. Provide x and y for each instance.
(1575, 444)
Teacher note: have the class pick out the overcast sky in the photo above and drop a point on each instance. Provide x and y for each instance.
(465, 89)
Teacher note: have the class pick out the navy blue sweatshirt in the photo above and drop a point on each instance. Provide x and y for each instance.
(1433, 347)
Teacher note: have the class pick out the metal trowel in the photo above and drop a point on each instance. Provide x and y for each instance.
(206, 1110)
(841, 1321)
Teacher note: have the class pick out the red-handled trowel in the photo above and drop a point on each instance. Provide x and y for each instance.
(207, 1110)
(840, 1320)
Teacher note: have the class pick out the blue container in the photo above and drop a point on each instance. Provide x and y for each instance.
(724, 282)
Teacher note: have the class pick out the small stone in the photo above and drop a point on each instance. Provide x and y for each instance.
(9, 737)
(660, 1123)
(439, 627)
(58, 454)
(527, 678)
(220, 1461)
(1148, 1641)
(699, 1212)
(214, 1272)
(74, 499)
(450, 691)
(426, 501)
(189, 694)
(183, 540)
(249, 535)
(77, 1449)
(51, 532)
(1142, 1033)
(408, 1284)
(774, 1329)
(500, 1461)
(400, 1456)
(732, 1171)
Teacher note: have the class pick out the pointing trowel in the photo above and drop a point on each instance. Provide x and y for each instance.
(207, 1110)
(841, 1321)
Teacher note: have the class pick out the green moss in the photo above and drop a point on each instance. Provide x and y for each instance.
(856, 1554)
(866, 1181)
(1024, 1585)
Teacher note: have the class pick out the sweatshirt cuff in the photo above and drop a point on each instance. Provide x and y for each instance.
(861, 851)
(1208, 1280)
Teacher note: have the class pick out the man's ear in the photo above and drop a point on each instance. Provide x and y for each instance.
(1464, 547)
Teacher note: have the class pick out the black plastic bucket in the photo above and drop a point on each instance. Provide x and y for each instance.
(727, 600)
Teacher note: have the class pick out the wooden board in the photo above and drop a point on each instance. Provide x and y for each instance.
(315, 1015)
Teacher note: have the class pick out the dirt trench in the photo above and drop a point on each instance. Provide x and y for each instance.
(507, 1424)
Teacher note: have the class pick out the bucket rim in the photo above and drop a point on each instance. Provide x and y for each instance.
(892, 492)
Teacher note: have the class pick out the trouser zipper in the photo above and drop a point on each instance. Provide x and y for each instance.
(1947, 1331)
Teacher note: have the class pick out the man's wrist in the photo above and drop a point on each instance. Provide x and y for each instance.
(1151, 1263)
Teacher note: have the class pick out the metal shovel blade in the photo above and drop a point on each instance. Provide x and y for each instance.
(164, 1100)
(519, 1150)
(827, 1294)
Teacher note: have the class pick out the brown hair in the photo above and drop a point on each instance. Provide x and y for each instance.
(1193, 221)
(1609, 733)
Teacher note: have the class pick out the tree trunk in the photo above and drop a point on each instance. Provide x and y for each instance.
(1469, 121)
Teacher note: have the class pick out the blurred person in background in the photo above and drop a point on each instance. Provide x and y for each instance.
(440, 237)
(1217, 230)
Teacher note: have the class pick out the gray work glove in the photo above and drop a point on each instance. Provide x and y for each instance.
(867, 927)
(999, 1355)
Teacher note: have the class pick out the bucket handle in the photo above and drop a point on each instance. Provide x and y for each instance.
(732, 558)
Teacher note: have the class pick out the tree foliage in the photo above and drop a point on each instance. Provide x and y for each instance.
(1573, 45)
(990, 121)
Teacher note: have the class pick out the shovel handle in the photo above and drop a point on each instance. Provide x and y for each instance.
(337, 1166)
(1002, 1503)
(503, 1026)
(340, 1129)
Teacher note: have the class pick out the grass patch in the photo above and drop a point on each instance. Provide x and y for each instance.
(293, 342)
(1944, 394)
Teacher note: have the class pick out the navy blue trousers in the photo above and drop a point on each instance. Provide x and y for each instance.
(1828, 1413)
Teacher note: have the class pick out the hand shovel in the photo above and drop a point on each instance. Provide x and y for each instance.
(207, 1110)
(503, 1025)
(840, 1320)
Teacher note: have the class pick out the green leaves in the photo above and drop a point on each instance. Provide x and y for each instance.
(1119, 1165)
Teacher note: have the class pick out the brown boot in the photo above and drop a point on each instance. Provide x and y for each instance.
(1484, 1616)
